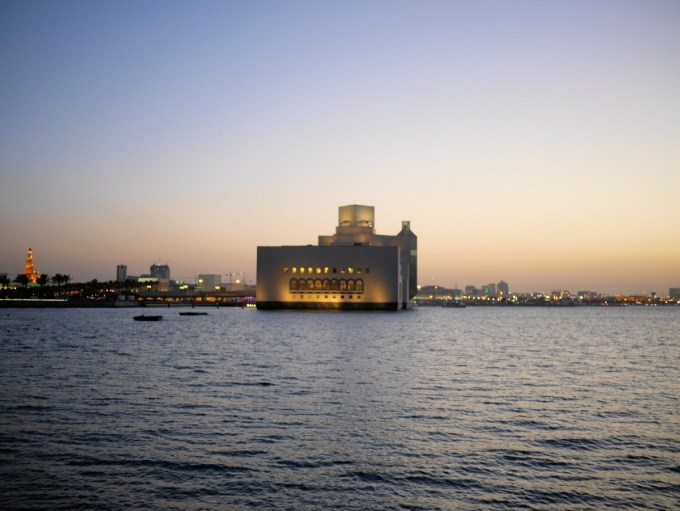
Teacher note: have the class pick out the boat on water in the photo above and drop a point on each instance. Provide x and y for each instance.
(143, 317)
(454, 304)
(193, 313)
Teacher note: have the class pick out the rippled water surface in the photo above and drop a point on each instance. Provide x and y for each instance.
(431, 409)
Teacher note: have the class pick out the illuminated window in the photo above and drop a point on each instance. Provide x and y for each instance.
(302, 270)
(318, 270)
(294, 269)
(301, 285)
(325, 270)
(293, 285)
(318, 285)
(334, 284)
(310, 270)
(285, 269)
(326, 284)
(360, 286)
(350, 285)
(343, 285)
(350, 270)
(310, 284)
(342, 270)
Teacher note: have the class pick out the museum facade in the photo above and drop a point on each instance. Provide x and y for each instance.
(354, 269)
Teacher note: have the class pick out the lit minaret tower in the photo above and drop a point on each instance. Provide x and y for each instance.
(29, 268)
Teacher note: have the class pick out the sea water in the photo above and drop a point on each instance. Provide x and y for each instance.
(429, 409)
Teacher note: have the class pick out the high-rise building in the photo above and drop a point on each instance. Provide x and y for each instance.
(489, 289)
(29, 268)
(121, 273)
(160, 271)
(471, 290)
(502, 288)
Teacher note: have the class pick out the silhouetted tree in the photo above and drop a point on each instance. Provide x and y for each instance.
(58, 279)
(42, 280)
(4, 280)
(23, 280)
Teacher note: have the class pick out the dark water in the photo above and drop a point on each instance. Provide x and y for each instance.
(432, 409)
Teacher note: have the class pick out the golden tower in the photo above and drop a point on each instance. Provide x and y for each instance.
(29, 268)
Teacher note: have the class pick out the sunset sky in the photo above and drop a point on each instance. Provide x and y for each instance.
(536, 142)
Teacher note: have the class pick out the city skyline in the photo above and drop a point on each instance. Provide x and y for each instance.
(530, 142)
(480, 288)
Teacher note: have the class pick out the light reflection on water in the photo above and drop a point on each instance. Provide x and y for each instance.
(427, 409)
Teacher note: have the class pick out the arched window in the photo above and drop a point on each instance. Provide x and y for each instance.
(343, 285)
(301, 285)
(293, 285)
(326, 284)
(350, 285)
(360, 286)
(318, 285)
(310, 284)
(334, 284)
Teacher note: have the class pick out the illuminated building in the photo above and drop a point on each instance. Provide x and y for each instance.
(354, 269)
(121, 273)
(489, 289)
(502, 288)
(29, 268)
(208, 282)
(160, 271)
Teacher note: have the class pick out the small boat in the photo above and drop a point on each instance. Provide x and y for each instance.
(193, 313)
(142, 317)
(454, 304)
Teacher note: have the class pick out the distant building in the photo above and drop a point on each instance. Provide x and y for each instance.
(121, 273)
(208, 282)
(674, 292)
(353, 269)
(489, 289)
(29, 268)
(502, 288)
(470, 291)
(160, 271)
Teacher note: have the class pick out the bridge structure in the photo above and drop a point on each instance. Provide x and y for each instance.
(194, 299)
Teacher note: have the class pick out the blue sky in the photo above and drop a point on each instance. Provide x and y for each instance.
(535, 142)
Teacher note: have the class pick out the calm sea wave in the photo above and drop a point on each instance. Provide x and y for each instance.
(430, 409)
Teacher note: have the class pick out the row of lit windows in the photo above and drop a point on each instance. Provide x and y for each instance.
(326, 285)
(319, 270)
(326, 297)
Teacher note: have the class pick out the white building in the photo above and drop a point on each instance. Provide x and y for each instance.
(353, 269)
(208, 282)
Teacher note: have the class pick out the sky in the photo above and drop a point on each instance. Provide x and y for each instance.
(529, 141)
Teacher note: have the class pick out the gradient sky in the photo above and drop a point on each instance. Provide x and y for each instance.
(530, 141)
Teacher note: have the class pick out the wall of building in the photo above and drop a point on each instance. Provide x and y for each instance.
(371, 277)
